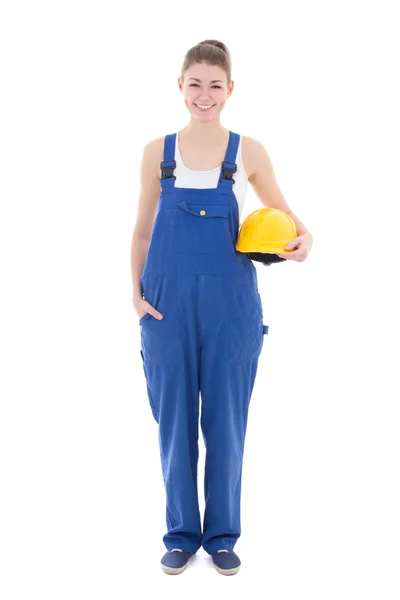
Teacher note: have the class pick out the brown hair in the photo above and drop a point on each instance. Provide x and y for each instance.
(211, 52)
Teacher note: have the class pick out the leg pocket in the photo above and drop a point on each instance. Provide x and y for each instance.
(244, 328)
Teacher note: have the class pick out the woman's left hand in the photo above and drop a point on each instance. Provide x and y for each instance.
(301, 247)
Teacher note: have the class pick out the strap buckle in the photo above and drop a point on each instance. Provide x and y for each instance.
(229, 169)
(167, 168)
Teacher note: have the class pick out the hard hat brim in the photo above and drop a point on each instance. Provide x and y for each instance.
(266, 258)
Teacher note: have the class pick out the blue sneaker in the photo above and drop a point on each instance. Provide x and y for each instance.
(226, 562)
(175, 561)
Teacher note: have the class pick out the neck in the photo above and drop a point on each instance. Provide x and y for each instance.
(204, 131)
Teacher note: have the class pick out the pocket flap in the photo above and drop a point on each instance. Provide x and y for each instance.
(214, 210)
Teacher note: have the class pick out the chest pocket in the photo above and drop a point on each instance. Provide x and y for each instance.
(201, 228)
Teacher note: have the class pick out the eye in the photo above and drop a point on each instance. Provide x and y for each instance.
(217, 86)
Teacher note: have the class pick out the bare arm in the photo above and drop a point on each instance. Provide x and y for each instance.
(265, 185)
(146, 212)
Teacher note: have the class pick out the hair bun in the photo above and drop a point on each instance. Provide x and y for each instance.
(216, 44)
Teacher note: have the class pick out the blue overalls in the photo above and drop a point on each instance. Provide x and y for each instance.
(207, 344)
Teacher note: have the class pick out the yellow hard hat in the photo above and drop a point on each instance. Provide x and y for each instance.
(265, 233)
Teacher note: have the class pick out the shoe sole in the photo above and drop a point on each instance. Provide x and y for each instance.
(227, 571)
(173, 570)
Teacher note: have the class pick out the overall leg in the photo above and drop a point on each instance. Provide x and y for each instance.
(229, 361)
(171, 366)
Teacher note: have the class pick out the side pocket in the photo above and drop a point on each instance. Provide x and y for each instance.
(259, 303)
(149, 293)
(146, 316)
(160, 340)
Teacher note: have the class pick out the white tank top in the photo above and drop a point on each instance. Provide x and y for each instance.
(187, 178)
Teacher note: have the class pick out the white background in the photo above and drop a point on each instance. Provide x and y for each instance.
(85, 85)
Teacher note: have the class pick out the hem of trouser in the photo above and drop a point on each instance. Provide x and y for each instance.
(187, 547)
(211, 548)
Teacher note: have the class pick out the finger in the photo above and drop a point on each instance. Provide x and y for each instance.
(293, 244)
(153, 312)
(292, 256)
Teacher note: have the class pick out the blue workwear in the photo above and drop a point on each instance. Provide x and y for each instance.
(207, 344)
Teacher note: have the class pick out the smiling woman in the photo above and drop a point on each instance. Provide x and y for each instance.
(204, 332)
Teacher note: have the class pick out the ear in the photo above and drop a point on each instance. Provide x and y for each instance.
(231, 88)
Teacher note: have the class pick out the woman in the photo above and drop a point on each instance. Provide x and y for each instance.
(200, 314)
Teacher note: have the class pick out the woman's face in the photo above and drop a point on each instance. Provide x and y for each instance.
(205, 85)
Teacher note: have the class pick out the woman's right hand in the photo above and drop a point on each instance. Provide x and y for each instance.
(142, 307)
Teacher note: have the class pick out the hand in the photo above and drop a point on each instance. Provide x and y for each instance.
(142, 307)
(301, 245)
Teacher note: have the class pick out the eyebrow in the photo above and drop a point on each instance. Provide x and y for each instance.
(213, 81)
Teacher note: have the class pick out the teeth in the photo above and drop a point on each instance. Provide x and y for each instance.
(200, 106)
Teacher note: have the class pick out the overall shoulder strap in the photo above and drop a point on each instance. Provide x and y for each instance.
(168, 164)
(229, 167)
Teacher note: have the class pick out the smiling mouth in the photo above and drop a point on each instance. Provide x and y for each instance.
(204, 109)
